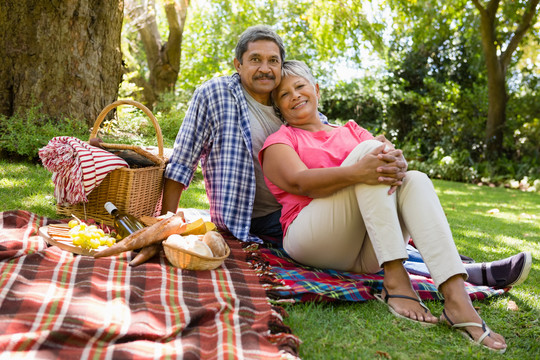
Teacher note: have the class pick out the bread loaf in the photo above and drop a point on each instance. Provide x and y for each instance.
(215, 242)
(191, 243)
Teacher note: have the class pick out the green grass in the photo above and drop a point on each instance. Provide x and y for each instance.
(368, 330)
(26, 186)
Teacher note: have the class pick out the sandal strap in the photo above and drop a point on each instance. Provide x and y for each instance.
(487, 330)
(447, 318)
(388, 296)
(466, 324)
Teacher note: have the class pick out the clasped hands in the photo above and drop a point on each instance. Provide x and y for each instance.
(394, 169)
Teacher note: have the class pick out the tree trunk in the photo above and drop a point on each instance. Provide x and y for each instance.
(497, 63)
(62, 54)
(163, 58)
(496, 117)
(496, 75)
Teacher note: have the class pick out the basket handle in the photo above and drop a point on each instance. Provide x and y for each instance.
(147, 111)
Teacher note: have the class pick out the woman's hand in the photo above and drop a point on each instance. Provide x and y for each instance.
(375, 168)
(385, 141)
(396, 165)
(383, 166)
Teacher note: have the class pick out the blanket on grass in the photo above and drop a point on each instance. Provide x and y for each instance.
(288, 281)
(57, 305)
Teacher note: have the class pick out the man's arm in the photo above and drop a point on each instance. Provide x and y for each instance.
(192, 137)
(172, 190)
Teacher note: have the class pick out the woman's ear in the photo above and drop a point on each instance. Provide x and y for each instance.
(317, 91)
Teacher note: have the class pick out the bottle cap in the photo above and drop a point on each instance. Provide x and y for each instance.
(109, 206)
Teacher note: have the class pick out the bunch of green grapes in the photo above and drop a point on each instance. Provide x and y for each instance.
(89, 236)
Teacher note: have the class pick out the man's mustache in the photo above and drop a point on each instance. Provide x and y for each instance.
(264, 76)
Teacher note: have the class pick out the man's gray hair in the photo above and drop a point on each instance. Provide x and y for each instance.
(256, 33)
(298, 68)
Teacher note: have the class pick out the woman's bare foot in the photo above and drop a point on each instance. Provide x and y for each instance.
(458, 309)
(401, 297)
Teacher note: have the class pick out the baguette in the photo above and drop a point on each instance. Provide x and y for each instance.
(146, 236)
(145, 254)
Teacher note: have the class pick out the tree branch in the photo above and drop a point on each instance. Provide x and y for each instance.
(492, 7)
(487, 29)
(145, 19)
(176, 17)
(479, 7)
(524, 25)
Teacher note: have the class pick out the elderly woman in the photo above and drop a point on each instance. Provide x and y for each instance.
(341, 212)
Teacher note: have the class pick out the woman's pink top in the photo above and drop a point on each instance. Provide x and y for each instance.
(321, 149)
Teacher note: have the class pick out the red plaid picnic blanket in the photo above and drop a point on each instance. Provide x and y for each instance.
(57, 305)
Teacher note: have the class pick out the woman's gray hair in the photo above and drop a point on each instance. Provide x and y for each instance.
(294, 68)
(298, 68)
(256, 33)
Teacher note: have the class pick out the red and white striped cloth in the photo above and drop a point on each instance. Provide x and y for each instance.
(77, 167)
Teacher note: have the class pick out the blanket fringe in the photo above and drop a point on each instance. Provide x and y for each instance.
(280, 334)
(274, 287)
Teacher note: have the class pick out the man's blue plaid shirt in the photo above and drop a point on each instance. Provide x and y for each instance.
(216, 131)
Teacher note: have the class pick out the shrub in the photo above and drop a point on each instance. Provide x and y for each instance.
(441, 125)
(25, 134)
(170, 113)
(456, 166)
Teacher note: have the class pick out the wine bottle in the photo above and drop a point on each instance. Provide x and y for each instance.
(125, 224)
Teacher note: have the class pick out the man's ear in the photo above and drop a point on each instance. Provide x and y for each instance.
(237, 64)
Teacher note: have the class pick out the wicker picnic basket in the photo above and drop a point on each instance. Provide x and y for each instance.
(134, 191)
(189, 260)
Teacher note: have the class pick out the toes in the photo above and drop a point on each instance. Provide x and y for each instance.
(430, 318)
(498, 337)
(497, 345)
(498, 340)
(419, 315)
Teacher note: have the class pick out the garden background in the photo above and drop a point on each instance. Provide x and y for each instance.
(455, 84)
